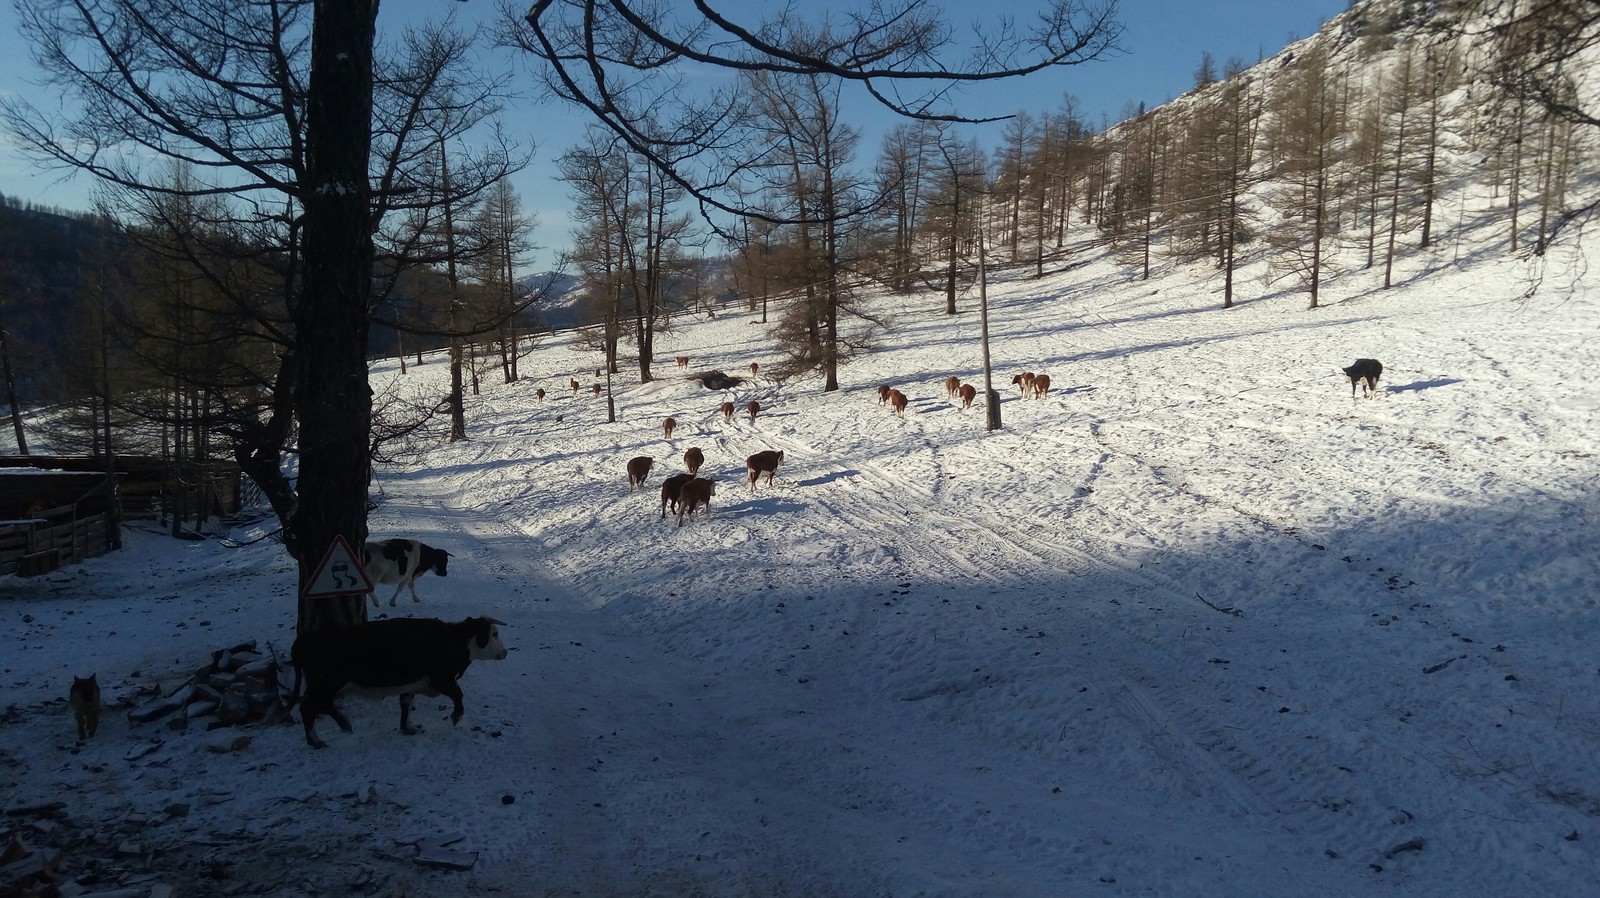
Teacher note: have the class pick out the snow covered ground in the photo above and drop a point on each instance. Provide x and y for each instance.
(1196, 624)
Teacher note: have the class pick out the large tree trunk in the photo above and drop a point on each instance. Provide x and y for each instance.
(333, 401)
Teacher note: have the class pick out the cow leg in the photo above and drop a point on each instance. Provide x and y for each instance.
(310, 718)
(405, 714)
(396, 594)
(447, 685)
(319, 701)
(415, 599)
(339, 718)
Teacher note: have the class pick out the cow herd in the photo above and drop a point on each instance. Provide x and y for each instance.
(684, 494)
(1028, 383)
(687, 492)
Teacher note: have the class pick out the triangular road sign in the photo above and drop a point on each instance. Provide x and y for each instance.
(339, 574)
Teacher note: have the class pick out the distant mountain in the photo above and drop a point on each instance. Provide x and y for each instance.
(558, 305)
(50, 260)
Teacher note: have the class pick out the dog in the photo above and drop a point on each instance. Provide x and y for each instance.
(1365, 372)
(84, 697)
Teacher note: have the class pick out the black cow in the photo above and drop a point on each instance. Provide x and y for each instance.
(670, 488)
(404, 656)
(1366, 373)
(401, 562)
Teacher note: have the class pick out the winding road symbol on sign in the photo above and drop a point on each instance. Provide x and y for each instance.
(339, 574)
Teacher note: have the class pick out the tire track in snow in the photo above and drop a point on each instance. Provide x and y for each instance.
(1245, 763)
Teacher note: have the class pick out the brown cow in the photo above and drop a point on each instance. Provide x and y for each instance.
(727, 411)
(671, 488)
(597, 391)
(575, 386)
(683, 361)
(638, 470)
(667, 424)
(951, 385)
(1041, 385)
(695, 492)
(898, 402)
(539, 393)
(754, 367)
(968, 393)
(763, 462)
(693, 459)
(1024, 382)
(752, 408)
(883, 394)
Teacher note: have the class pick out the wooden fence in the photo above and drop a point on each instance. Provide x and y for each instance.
(51, 535)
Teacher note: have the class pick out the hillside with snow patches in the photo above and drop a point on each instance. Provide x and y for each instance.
(1197, 623)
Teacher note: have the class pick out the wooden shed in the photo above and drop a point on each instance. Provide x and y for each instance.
(57, 510)
(52, 518)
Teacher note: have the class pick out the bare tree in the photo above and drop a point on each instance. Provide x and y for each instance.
(1131, 221)
(272, 104)
(960, 179)
(1539, 56)
(505, 234)
(1017, 145)
(809, 152)
(1068, 148)
(599, 172)
(1206, 72)
(903, 183)
(1237, 111)
(1308, 144)
(629, 235)
(625, 62)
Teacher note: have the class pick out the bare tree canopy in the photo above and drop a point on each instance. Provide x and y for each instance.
(1538, 51)
(629, 63)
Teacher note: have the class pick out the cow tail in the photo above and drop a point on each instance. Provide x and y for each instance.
(285, 705)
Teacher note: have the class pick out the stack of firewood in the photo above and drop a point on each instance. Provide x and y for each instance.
(238, 686)
(26, 871)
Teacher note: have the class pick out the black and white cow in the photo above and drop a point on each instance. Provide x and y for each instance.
(401, 562)
(1366, 373)
(404, 656)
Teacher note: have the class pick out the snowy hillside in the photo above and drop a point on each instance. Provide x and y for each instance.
(1197, 623)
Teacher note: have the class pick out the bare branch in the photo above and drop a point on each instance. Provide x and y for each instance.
(609, 57)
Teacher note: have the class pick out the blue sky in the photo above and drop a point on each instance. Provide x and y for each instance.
(1161, 48)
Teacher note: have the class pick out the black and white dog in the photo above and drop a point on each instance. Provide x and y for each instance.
(1366, 373)
(401, 561)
